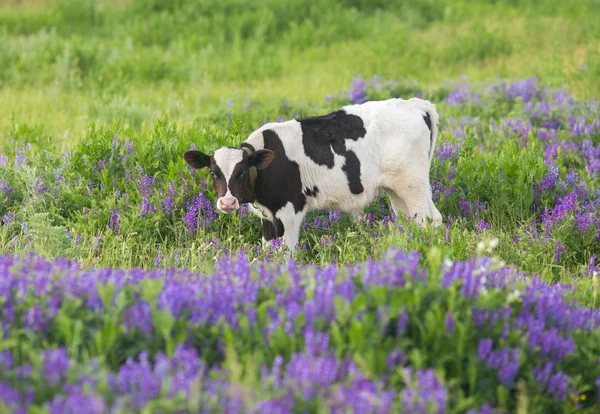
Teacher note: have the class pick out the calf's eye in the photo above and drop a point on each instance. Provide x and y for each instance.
(241, 175)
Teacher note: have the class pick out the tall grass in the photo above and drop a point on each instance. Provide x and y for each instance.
(63, 63)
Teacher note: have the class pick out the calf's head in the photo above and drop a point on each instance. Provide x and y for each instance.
(231, 173)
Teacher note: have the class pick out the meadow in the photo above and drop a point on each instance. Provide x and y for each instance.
(123, 290)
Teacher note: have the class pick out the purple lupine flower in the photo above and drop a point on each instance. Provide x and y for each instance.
(200, 209)
(168, 204)
(243, 211)
(10, 396)
(582, 221)
(402, 323)
(309, 374)
(484, 348)
(114, 221)
(34, 319)
(508, 371)
(516, 126)
(146, 207)
(169, 201)
(557, 386)
(395, 357)
(20, 157)
(77, 402)
(361, 396)
(55, 365)
(115, 144)
(334, 215)
(558, 252)
(542, 375)
(3, 160)
(485, 409)
(138, 381)
(139, 315)
(424, 393)
(158, 258)
(550, 180)
(458, 96)
(8, 218)
(145, 183)
(525, 89)
(357, 93)
(278, 405)
(449, 323)
(447, 151)
(38, 187)
(6, 360)
(483, 226)
(5, 188)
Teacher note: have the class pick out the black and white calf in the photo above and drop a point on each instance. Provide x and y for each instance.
(342, 160)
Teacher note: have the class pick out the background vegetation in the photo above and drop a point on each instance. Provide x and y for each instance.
(68, 63)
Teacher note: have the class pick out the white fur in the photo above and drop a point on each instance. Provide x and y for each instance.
(395, 157)
(227, 159)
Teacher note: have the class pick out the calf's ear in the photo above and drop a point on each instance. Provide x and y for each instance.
(261, 158)
(196, 159)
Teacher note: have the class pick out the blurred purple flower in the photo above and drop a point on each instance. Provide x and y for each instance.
(139, 316)
(484, 349)
(55, 365)
(357, 93)
(78, 402)
(114, 221)
(423, 393)
(8, 218)
(449, 323)
(5, 188)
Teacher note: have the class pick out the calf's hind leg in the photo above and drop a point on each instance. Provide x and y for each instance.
(414, 201)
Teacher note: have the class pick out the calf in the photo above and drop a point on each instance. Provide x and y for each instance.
(342, 160)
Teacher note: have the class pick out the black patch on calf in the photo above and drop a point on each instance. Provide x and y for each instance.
(351, 167)
(427, 120)
(322, 135)
(280, 182)
(239, 182)
(272, 230)
(311, 193)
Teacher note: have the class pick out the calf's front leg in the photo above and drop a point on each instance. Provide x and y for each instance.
(292, 221)
(271, 230)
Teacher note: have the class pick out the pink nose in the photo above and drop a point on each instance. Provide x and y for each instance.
(228, 204)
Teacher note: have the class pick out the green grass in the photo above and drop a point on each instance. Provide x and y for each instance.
(77, 62)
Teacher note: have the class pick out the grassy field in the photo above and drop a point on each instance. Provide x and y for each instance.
(84, 61)
(122, 289)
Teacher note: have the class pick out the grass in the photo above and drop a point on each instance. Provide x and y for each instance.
(58, 74)
(100, 100)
